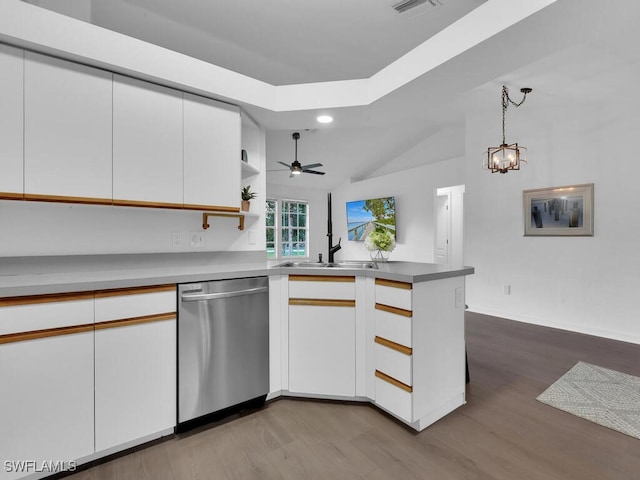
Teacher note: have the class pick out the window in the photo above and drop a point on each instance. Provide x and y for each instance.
(287, 228)
(271, 216)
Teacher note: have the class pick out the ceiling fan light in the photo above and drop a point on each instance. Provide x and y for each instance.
(295, 171)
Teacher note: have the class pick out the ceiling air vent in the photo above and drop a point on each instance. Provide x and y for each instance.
(407, 5)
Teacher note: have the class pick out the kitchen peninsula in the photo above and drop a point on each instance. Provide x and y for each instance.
(393, 336)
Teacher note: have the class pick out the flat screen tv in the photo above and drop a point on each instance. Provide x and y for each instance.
(366, 216)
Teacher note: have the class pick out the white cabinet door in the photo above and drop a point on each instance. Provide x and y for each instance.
(135, 364)
(46, 405)
(322, 349)
(147, 144)
(11, 121)
(211, 154)
(135, 381)
(67, 130)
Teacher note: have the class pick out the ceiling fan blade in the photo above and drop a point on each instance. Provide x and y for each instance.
(291, 175)
(315, 172)
(311, 165)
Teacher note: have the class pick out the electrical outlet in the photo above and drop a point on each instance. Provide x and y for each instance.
(459, 297)
(176, 239)
(507, 289)
(196, 239)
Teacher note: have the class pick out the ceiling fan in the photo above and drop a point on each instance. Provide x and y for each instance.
(296, 168)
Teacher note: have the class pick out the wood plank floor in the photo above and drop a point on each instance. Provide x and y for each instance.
(501, 433)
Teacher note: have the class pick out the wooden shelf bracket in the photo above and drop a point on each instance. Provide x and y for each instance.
(206, 215)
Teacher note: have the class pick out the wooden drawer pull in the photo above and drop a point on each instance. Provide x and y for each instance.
(394, 382)
(34, 197)
(321, 278)
(11, 196)
(393, 345)
(393, 283)
(47, 298)
(317, 302)
(126, 322)
(394, 310)
(49, 332)
(142, 203)
(116, 292)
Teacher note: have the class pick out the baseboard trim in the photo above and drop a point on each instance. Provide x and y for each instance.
(570, 327)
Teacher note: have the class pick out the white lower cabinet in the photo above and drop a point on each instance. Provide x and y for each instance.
(135, 381)
(135, 364)
(419, 349)
(322, 349)
(322, 335)
(82, 373)
(47, 378)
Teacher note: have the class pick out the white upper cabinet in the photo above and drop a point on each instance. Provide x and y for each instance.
(211, 153)
(11, 121)
(67, 109)
(147, 144)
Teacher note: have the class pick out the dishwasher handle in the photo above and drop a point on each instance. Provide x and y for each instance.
(215, 296)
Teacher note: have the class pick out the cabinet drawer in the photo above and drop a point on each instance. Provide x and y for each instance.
(322, 287)
(394, 399)
(395, 363)
(393, 324)
(134, 302)
(394, 294)
(40, 312)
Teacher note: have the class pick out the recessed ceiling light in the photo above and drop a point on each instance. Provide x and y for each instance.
(324, 118)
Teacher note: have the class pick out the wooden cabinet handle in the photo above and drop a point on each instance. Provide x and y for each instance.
(318, 302)
(393, 345)
(394, 382)
(393, 283)
(394, 310)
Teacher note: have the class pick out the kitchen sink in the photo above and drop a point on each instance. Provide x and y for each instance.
(353, 264)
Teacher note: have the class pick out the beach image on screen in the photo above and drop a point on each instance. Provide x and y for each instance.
(365, 216)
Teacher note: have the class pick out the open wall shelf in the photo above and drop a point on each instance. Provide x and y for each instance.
(239, 215)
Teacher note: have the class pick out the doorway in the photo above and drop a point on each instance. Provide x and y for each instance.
(449, 225)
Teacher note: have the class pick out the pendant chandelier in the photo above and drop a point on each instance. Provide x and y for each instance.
(506, 157)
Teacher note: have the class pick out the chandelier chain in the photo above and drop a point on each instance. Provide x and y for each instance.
(506, 100)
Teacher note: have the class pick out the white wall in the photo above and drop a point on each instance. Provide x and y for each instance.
(585, 284)
(31, 228)
(415, 193)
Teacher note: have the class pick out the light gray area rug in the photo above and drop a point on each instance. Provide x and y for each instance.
(600, 395)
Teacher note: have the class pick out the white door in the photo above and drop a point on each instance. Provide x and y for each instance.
(443, 222)
(67, 129)
(11, 121)
(211, 154)
(147, 144)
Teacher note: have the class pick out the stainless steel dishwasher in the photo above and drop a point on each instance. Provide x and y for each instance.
(223, 346)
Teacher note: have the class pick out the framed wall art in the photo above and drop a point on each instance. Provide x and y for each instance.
(559, 211)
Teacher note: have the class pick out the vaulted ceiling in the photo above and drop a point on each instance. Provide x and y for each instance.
(396, 80)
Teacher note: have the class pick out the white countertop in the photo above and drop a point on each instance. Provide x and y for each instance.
(41, 275)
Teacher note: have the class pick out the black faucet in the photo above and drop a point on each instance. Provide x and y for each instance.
(332, 248)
